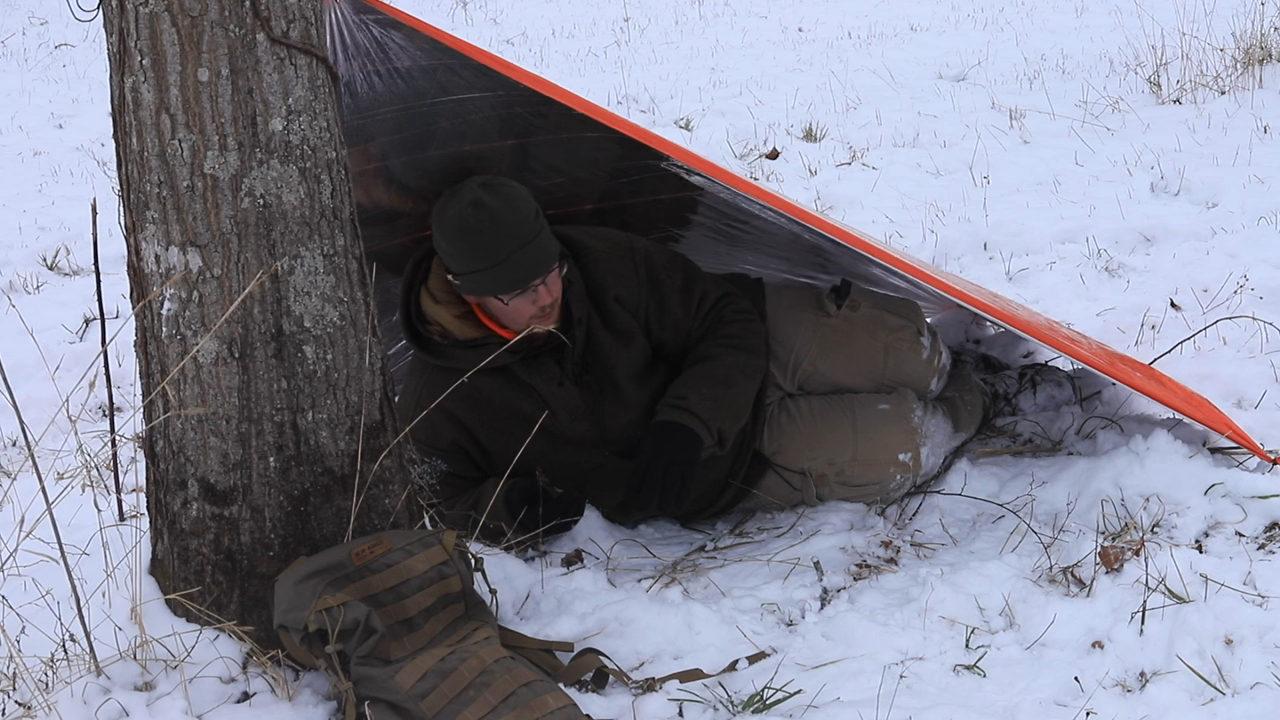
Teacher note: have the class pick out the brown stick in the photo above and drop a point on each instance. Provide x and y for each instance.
(106, 366)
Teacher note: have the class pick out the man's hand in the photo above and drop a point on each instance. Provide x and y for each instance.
(541, 508)
(662, 478)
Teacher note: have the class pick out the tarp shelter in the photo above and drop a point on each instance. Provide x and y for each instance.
(423, 109)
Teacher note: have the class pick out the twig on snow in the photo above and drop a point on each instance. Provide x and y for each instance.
(1204, 329)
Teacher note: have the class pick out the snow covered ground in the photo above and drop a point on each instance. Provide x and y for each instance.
(1101, 163)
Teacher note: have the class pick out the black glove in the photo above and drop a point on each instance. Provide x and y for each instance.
(541, 508)
(662, 479)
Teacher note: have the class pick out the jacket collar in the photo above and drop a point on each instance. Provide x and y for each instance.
(445, 313)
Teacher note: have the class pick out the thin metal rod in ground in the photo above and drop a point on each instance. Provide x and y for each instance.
(106, 365)
(53, 521)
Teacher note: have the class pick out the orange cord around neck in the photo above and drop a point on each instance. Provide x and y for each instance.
(493, 324)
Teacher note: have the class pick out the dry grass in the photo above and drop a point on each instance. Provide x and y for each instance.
(1195, 60)
(75, 606)
(73, 561)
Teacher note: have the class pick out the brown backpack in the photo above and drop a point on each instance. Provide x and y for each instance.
(395, 621)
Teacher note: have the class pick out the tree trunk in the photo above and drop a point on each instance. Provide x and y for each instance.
(266, 394)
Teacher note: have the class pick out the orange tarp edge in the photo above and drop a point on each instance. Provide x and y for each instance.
(1122, 368)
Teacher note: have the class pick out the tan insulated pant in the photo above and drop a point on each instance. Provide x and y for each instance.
(861, 404)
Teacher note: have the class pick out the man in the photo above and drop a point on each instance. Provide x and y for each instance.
(555, 368)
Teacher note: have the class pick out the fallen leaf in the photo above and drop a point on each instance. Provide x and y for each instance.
(572, 559)
(773, 154)
(1113, 557)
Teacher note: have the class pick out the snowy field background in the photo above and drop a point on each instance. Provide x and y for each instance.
(1098, 162)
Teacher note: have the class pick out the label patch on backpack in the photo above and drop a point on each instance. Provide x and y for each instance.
(370, 550)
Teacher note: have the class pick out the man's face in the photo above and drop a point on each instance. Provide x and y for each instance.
(536, 306)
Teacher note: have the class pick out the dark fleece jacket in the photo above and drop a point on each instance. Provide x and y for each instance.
(645, 335)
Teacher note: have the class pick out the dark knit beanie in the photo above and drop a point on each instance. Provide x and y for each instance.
(492, 236)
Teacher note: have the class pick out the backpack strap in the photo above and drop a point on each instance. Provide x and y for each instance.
(602, 667)
(298, 652)
(696, 674)
(587, 669)
(449, 540)
(515, 639)
(542, 653)
(591, 667)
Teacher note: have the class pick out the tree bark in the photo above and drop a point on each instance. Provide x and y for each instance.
(266, 397)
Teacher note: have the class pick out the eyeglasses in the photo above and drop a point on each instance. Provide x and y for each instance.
(559, 270)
